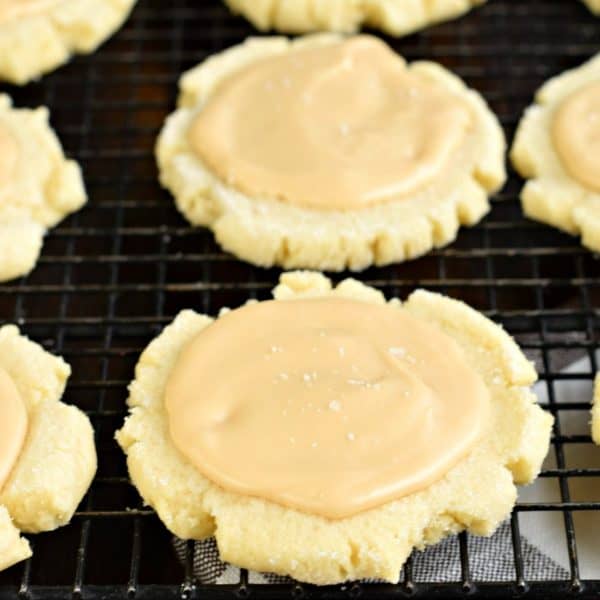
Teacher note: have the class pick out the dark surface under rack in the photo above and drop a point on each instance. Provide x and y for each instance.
(113, 275)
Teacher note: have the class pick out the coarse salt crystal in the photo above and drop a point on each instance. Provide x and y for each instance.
(335, 405)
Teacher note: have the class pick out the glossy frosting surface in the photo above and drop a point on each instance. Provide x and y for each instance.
(576, 134)
(331, 406)
(341, 126)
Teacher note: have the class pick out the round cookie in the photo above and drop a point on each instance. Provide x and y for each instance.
(38, 186)
(557, 191)
(476, 494)
(57, 461)
(267, 229)
(398, 17)
(37, 36)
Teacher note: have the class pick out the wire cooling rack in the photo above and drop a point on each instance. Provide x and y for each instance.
(114, 274)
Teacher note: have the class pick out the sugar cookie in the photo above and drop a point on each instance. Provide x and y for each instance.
(38, 186)
(56, 457)
(264, 152)
(556, 149)
(37, 36)
(398, 17)
(476, 494)
(593, 5)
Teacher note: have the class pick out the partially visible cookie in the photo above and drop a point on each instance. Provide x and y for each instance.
(38, 186)
(37, 36)
(476, 494)
(593, 5)
(57, 460)
(13, 548)
(596, 411)
(398, 17)
(285, 173)
(557, 149)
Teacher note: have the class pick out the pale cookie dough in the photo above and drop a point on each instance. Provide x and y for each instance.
(37, 36)
(396, 17)
(476, 494)
(37, 189)
(552, 195)
(266, 231)
(596, 411)
(58, 461)
(593, 5)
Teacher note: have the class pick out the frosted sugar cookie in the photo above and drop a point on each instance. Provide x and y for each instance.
(557, 149)
(398, 17)
(327, 433)
(36, 36)
(329, 153)
(38, 186)
(47, 454)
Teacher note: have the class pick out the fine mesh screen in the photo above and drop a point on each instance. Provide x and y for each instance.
(114, 274)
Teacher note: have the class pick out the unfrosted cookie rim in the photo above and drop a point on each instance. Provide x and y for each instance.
(595, 412)
(37, 199)
(54, 34)
(41, 378)
(593, 5)
(302, 17)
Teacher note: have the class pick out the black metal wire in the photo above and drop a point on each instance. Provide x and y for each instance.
(111, 276)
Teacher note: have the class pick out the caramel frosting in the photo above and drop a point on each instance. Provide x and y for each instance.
(576, 134)
(8, 154)
(13, 425)
(340, 126)
(330, 406)
(12, 9)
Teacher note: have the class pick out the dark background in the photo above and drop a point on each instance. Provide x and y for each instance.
(112, 275)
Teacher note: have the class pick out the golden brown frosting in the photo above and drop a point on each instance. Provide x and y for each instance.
(12, 9)
(341, 126)
(13, 425)
(576, 133)
(8, 154)
(330, 406)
